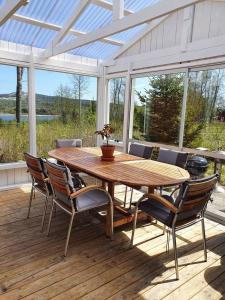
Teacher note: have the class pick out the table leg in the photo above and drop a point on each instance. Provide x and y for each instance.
(110, 212)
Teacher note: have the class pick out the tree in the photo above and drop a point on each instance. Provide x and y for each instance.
(19, 72)
(163, 101)
(80, 87)
(64, 94)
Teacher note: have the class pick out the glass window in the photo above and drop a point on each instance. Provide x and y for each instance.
(65, 108)
(157, 108)
(116, 109)
(13, 113)
(205, 114)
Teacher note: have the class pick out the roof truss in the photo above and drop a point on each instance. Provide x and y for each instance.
(145, 15)
(9, 8)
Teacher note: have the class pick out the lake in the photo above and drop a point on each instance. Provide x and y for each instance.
(12, 117)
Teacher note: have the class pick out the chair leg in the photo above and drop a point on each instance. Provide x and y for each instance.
(125, 197)
(168, 242)
(131, 197)
(30, 201)
(44, 214)
(175, 252)
(50, 217)
(68, 234)
(204, 239)
(134, 226)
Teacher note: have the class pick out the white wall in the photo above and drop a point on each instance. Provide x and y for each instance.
(169, 43)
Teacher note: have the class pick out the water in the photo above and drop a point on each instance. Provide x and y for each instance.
(12, 117)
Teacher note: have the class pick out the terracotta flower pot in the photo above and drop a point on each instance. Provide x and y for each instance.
(107, 152)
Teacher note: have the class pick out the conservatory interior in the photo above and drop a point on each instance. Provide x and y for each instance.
(75, 224)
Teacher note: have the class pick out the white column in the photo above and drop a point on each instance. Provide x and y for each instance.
(32, 109)
(127, 108)
(102, 102)
(183, 111)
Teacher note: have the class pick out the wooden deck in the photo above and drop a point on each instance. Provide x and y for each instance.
(32, 265)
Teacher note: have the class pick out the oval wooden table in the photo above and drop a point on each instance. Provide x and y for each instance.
(125, 169)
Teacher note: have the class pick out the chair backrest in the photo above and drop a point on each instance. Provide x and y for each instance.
(38, 172)
(141, 150)
(61, 181)
(173, 157)
(193, 198)
(68, 143)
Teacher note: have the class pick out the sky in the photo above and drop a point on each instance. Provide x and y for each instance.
(47, 82)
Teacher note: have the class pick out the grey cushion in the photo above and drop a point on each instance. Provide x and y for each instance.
(157, 210)
(91, 199)
(140, 150)
(68, 143)
(167, 156)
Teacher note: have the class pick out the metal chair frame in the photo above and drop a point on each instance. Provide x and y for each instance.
(38, 175)
(72, 211)
(173, 229)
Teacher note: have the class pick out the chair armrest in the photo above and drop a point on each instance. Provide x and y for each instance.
(160, 199)
(85, 189)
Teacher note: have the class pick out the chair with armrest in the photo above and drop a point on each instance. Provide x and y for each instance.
(40, 182)
(69, 143)
(142, 151)
(187, 209)
(73, 200)
(172, 157)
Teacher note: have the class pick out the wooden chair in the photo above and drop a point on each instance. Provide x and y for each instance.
(73, 201)
(172, 157)
(40, 183)
(142, 151)
(187, 209)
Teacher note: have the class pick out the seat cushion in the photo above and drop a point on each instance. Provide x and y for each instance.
(91, 199)
(157, 210)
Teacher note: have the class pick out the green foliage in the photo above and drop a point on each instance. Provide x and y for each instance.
(163, 101)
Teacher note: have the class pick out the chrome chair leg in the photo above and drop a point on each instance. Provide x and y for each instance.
(168, 242)
(134, 226)
(68, 234)
(30, 201)
(175, 252)
(50, 217)
(125, 197)
(44, 214)
(204, 239)
(164, 228)
(131, 197)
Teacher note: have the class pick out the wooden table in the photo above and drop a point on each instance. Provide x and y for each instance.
(125, 169)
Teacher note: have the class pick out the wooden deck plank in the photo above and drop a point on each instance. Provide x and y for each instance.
(32, 265)
(155, 263)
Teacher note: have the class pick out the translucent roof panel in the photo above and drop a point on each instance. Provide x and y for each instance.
(93, 18)
(58, 12)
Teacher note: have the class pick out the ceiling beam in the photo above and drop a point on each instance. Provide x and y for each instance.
(9, 8)
(55, 27)
(145, 15)
(118, 9)
(107, 5)
(147, 29)
(78, 10)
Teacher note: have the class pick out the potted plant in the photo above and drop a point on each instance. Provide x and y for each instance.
(107, 149)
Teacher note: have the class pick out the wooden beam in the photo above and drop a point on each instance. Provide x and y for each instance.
(78, 10)
(118, 9)
(107, 5)
(9, 8)
(55, 27)
(145, 15)
(148, 28)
